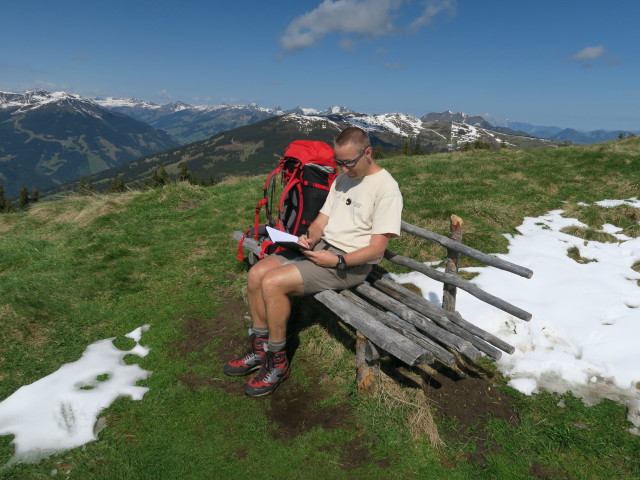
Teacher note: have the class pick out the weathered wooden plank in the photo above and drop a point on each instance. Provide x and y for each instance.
(437, 314)
(383, 336)
(249, 243)
(432, 322)
(458, 282)
(407, 329)
(429, 329)
(466, 250)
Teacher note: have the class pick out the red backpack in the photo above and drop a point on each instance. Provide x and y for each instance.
(304, 175)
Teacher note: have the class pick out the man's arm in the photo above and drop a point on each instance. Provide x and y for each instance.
(373, 251)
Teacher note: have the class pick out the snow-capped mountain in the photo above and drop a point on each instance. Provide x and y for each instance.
(253, 149)
(190, 123)
(16, 103)
(58, 136)
(394, 129)
(51, 138)
(458, 117)
(334, 110)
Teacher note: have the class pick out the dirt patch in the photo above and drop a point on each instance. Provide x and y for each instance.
(471, 401)
(293, 409)
(537, 470)
(226, 327)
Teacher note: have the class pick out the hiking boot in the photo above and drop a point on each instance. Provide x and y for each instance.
(273, 371)
(250, 360)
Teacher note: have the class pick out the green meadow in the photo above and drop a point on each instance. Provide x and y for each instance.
(83, 268)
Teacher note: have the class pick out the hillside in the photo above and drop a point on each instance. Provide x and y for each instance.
(568, 135)
(257, 147)
(85, 268)
(52, 138)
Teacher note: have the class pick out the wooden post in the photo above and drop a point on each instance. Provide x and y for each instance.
(365, 364)
(451, 266)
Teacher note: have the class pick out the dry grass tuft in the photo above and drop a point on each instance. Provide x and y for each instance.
(392, 397)
(589, 235)
(574, 254)
(5, 226)
(80, 210)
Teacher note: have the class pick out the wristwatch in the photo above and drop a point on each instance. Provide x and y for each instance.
(341, 265)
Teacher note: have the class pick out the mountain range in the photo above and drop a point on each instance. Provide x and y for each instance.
(47, 139)
(190, 123)
(256, 148)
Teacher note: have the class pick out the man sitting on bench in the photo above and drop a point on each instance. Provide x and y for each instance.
(362, 212)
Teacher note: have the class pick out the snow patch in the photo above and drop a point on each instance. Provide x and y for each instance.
(60, 411)
(584, 333)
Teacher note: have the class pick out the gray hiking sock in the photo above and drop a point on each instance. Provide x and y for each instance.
(260, 332)
(276, 346)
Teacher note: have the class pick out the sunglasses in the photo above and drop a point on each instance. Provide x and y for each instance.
(350, 163)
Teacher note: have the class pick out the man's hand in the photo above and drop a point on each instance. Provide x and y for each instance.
(322, 258)
(306, 241)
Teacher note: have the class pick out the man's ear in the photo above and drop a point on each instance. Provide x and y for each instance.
(369, 153)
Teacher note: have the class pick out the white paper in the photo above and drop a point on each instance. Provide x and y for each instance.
(279, 236)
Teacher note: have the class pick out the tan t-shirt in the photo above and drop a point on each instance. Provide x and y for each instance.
(359, 208)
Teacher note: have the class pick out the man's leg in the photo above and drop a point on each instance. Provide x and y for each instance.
(254, 289)
(277, 286)
(254, 353)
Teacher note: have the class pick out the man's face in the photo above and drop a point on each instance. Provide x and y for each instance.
(357, 160)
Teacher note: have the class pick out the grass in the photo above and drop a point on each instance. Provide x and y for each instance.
(80, 269)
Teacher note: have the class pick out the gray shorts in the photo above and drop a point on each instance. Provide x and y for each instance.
(318, 278)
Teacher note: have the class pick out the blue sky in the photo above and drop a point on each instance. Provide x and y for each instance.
(567, 63)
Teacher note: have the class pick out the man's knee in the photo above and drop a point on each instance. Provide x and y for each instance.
(258, 271)
(254, 278)
(282, 281)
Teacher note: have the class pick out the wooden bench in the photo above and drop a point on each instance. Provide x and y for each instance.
(391, 318)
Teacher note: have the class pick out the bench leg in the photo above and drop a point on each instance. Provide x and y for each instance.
(366, 364)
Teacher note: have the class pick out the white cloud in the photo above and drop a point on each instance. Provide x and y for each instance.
(363, 18)
(432, 8)
(588, 53)
(366, 17)
(597, 54)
